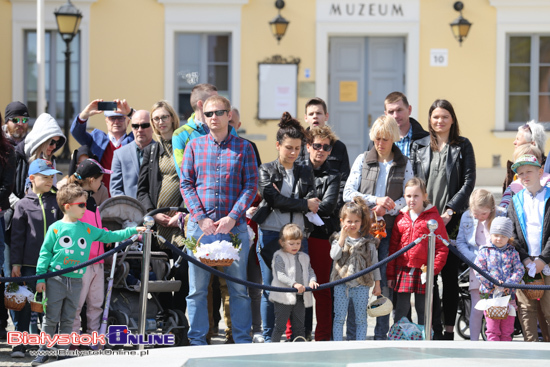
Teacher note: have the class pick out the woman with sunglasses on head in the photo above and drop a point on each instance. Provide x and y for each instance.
(446, 162)
(532, 133)
(288, 193)
(158, 187)
(89, 175)
(379, 176)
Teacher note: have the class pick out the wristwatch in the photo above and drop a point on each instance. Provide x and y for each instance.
(131, 112)
(449, 212)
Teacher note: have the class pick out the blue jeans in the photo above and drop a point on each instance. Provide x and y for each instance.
(2, 243)
(359, 296)
(383, 322)
(239, 302)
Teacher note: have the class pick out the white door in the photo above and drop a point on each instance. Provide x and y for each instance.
(362, 72)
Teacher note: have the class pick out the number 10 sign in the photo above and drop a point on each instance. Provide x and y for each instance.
(439, 57)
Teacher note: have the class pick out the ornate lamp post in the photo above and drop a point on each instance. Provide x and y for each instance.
(68, 21)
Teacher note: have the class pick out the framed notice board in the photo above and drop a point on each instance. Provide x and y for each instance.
(277, 87)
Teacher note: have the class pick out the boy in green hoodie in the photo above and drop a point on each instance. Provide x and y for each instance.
(67, 244)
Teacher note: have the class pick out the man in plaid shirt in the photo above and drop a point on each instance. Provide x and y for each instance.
(219, 182)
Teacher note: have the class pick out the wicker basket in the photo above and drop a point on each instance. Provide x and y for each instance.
(38, 306)
(497, 312)
(12, 303)
(534, 293)
(213, 263)
(379, 307)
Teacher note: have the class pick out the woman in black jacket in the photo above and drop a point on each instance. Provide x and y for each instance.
(446, 161)
(158, 187)
(287, 190)
(327, 185)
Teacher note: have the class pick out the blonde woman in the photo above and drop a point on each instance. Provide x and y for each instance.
(159, 187)
(379, 176)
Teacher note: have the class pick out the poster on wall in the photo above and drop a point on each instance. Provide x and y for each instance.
(277, 89)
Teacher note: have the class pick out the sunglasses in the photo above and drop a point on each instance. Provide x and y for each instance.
(163, 118)
(80, 205)
(54, 142)
(17, 120)
(526, 127)
(326, 147)
(143, 126)
(218, 113)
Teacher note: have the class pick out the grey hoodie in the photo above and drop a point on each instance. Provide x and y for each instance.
(44, 129)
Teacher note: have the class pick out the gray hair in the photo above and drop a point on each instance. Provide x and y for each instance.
(534, 132)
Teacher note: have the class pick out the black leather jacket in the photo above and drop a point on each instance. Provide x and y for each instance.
(273, 173)
(461, 172)
(327, 186)
(150, 178)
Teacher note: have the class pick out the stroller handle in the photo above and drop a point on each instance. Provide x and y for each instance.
(166, 209)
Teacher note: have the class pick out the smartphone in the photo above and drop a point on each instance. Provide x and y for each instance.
(106, 106)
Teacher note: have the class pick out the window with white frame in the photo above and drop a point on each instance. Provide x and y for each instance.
(55, 74)
(201, 58)
(528, 79)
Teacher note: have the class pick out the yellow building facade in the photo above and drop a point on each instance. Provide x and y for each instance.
(351, 53)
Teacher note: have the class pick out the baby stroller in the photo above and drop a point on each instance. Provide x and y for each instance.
(124, 211)
(464, 307)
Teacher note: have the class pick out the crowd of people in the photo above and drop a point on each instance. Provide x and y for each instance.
(312, 212)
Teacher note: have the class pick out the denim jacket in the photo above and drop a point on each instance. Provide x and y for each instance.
(466, 238)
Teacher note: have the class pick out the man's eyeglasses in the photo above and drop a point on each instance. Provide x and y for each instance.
(143, 126)
(164, 118)
(117, 118)
(54, 142)
(218, 113)
(19, 120)
(80, 205)
(326, 147)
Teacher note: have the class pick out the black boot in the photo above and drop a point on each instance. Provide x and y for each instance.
(448, 335)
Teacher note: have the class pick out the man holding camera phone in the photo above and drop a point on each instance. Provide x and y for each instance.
(103, 145)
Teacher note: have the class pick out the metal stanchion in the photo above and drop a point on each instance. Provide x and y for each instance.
(144, 291)
(432, 226)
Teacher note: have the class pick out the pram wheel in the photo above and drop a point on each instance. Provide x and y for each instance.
(180, 333)
(115, 318)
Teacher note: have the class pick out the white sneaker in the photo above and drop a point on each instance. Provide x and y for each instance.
(258, 338)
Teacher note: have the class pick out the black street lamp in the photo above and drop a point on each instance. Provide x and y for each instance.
(68, 21)
(279, 24)
(460, 26)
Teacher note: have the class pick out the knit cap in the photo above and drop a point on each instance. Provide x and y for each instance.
(502, 226)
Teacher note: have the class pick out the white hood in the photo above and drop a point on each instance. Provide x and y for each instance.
(43, 130)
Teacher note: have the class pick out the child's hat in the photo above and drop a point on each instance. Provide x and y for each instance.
(502, 226)
(43, 167)
(89, 168)
(526, 159)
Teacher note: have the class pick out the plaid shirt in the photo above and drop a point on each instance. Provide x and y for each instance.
(405, 143)
(219, 180)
